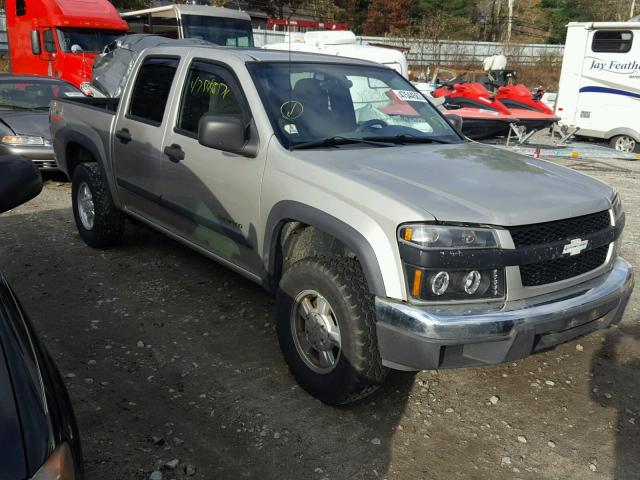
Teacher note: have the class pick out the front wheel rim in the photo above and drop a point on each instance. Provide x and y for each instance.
(86, 207)
(625, 144)
(316, 333)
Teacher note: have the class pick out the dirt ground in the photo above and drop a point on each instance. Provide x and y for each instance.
(169, 356)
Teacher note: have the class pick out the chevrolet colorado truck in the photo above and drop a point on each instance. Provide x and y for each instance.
(389, 240)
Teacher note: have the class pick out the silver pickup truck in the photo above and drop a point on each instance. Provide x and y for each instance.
(389, 240)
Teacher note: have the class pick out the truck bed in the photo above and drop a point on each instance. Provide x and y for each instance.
(108, 104)
(83, 117)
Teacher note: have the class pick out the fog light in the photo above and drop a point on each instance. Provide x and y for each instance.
(472, 282)
(440, 283)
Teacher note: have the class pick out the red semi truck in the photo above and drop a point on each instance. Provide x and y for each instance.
(60, 38)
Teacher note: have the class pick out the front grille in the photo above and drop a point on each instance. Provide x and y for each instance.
(562, 268)
(542, 233)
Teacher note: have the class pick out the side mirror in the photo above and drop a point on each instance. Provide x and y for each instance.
(223, 132)
(35, 42)
(20, 181)
(456, 122)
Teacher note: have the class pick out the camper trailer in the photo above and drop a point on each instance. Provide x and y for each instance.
(600, 82)
(343, 44)
(222, 26)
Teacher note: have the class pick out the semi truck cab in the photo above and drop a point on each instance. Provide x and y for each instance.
(60, 38)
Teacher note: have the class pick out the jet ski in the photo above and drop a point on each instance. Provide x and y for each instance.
(527, 106)
(475, 95)
(482, 116)
(480, 123)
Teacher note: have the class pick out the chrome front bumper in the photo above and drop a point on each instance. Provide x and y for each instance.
(42, 155)
(414, 337)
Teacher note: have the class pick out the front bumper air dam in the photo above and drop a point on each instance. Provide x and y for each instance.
(414, 337)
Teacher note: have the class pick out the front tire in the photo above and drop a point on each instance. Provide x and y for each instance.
(326, 328)
(99, 222)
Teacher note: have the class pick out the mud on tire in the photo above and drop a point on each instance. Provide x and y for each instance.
(107, 225)
(358, 371)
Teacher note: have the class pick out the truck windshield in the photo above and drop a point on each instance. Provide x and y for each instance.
(89, 40)
(231, 32)
(319, 104)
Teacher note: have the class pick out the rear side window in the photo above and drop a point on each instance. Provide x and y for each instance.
(49, 41)
(612, 41)
(206, 91)
(151, 90)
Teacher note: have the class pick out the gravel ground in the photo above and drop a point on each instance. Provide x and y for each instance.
(174, 370)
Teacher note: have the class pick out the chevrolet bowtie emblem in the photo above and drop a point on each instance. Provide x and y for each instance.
(575, 246)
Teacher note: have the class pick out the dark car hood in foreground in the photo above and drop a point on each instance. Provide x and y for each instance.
(470, 182)
(34, 123)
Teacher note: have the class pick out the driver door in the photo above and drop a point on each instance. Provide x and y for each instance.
(211, 196)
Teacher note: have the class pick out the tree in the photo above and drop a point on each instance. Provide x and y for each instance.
(561, 12)
(383, 15)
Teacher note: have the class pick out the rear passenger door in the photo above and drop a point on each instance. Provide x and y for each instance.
(211, 196)
(137, 143)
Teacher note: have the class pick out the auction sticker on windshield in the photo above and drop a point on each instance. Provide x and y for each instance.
(410, 96)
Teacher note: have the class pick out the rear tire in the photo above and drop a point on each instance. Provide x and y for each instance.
(307, 341)
(624, 143)
(99, 222)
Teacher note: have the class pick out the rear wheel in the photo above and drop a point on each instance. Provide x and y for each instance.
(326, 327)
(99, 222)
(624, 143)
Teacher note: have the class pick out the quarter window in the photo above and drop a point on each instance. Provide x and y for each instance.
(612, 41)
(151, 90)
(49, 41)
(206, 91)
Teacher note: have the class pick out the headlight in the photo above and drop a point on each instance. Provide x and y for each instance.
(438, 237)
(442, 284)
(59, 466)
(420, 244)
(22, 140)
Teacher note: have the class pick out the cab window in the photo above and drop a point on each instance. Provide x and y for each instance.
(151, 90)
(207, 90)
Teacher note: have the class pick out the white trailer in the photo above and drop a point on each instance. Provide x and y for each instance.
(600, 82)
(342, 44)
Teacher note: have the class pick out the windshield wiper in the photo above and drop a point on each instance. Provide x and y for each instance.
(404, 138)
(338, 140)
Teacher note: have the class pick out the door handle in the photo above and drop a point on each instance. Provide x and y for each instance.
(174, 152)
(124, 135)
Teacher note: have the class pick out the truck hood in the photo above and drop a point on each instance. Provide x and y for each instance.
(470, 182)
(27, 123)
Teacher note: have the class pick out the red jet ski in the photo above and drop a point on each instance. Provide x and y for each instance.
(476, 95)
(480, 123)
(523, 104)
(482, 116)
